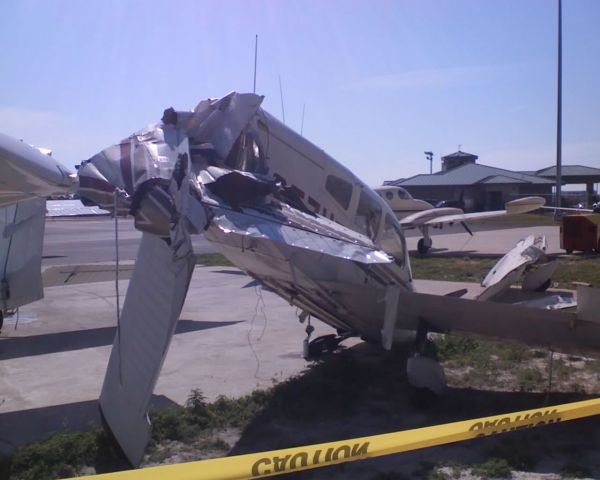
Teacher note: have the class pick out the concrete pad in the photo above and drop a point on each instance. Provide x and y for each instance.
(231, 339)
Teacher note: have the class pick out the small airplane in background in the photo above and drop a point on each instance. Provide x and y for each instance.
(293, 218)
(414, 213)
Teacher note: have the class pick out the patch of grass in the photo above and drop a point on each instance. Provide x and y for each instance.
(520, 456)
(593, 365)
(467, 352)
(216, 444)
(66, 454)
(577, 268)
(561, 369)
(436, 474)
(480, 363)
(238, 412)
(530, 379)
(452, 269)
(213, 260)
(580, 268)
(61, 455)
(173, 423)
(492, 468)
(572, 470)
(330, 389)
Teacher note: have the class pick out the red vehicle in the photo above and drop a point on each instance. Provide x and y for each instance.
(580, 232)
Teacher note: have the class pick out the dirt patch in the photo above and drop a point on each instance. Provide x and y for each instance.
(379, 401)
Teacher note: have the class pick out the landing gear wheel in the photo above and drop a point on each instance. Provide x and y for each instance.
(421, 247)
(544, 286)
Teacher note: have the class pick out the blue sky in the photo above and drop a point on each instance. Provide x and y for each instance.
(382, 81)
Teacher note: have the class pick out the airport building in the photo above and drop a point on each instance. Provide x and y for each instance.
(482, 187)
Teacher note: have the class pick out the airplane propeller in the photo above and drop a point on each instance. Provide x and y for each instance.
(466, 227)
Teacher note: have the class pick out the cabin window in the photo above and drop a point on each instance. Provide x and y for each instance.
(389, 195)
(368, 215)
(340, 190)
(403, 194)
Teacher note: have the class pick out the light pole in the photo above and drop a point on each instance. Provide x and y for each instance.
(557, 202)
(429, 156)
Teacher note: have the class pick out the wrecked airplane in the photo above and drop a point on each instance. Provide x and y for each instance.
(299, 223)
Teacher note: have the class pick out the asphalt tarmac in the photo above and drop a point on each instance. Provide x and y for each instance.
(84, 241)
(92, 240)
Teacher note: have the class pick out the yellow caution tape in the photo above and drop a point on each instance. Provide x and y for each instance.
(276, 462)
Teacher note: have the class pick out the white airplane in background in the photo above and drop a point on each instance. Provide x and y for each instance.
(27, 176)
(299, 223)
(401, 201)
(414, 213)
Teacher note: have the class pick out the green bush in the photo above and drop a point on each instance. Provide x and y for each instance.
(61, 455)
(530, 379)
(492, 468)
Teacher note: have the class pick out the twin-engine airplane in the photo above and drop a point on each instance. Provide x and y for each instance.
(291, 217)
(414, 213)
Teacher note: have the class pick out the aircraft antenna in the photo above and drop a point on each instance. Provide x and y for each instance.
(281, 95)
(302, 124)
(255, 59)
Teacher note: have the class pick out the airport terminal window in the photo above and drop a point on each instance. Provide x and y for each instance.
(340, 190)
(368, 215)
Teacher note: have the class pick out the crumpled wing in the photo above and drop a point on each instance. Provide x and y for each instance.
(557, 330)
(437, 216)
(21, 241)
(512, 265)
(154, 300)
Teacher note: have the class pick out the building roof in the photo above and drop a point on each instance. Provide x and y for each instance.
(569, 171)
(471, 174)
(460, 154)
(502, 180)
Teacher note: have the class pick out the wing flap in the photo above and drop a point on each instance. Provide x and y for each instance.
(551, 329)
